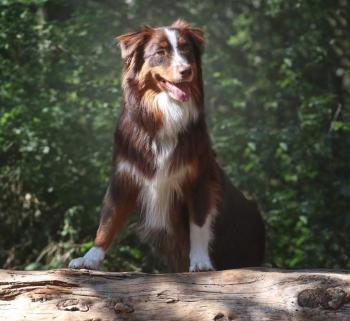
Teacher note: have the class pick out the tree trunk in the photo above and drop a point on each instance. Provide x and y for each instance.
(245, 294)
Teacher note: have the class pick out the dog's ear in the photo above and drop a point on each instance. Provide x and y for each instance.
(132, 40)
(196, 34)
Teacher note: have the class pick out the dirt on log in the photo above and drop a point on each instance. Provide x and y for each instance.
(245, 294)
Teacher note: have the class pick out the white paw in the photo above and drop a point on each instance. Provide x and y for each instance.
(201, 264)
(91, 260)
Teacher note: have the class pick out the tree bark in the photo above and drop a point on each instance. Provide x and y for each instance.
(255, 294)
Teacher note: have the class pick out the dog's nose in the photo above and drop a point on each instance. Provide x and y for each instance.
(185, 71)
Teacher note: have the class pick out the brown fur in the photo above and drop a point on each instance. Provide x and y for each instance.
(238, 228)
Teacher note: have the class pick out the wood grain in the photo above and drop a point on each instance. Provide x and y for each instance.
(243, 294)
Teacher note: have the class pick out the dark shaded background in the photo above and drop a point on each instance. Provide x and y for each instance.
(277, 84)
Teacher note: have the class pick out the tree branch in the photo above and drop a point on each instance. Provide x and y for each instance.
(243, 294)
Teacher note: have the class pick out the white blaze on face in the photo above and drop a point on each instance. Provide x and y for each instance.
(177, 59)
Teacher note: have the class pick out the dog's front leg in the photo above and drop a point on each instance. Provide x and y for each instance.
(200, 238)
(116, 209)
(203, 204)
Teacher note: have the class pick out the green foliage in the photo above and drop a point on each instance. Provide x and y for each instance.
(277, 84)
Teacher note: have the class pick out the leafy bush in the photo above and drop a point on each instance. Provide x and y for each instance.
(277, 87)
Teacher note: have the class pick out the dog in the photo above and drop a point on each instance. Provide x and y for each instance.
(164, 167)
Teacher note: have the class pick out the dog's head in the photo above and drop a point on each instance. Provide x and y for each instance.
(164, 59)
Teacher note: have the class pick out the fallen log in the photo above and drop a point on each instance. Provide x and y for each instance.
(254, 294)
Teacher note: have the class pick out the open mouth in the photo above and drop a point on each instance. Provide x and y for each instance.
(178, 91)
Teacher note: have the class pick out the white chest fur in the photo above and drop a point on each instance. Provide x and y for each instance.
(176, 115)
(157, 195)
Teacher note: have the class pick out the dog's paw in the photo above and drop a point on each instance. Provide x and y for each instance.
(201, 265)
(91, 260)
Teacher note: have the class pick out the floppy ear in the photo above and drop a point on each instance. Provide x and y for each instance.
(132, 40)
(196, 34)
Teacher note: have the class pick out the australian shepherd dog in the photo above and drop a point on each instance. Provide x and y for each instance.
(164, 167)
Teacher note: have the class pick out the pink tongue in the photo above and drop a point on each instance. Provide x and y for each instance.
(176, 92)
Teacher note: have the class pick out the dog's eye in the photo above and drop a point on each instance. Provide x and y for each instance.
(160, 52)
(185, 48)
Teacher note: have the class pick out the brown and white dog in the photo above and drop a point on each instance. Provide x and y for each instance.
(164, 166)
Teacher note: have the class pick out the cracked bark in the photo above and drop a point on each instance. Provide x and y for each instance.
(243, 294)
